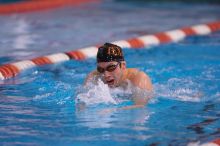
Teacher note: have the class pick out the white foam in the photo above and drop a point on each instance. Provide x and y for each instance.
(180, 89)
(101, 93)
(43, 96)
(95, 94)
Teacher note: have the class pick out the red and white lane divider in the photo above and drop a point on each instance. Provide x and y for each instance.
(36, 5)
(12, 69)
(213, 143)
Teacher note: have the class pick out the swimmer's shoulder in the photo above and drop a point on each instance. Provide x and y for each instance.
(132, 73)
(93, 73)
(91, 76)
(139, 78)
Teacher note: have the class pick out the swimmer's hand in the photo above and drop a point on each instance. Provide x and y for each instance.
(132, 107)
(107, 111)
(110, 110)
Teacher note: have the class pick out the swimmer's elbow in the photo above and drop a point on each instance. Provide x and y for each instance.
(132, 107)
(141, 102)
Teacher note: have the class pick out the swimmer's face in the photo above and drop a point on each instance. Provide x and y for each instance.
(111, 72)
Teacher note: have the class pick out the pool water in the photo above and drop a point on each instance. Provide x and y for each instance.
(38, 106)
(29, 35)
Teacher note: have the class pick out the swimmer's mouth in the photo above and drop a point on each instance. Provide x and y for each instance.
(110, 82)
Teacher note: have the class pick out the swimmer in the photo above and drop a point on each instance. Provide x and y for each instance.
(111, 69)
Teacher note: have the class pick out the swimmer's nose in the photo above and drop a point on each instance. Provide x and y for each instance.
(106, 74)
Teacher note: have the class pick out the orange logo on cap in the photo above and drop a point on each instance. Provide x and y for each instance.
(114, 51)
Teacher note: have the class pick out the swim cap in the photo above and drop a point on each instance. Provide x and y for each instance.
(109, 52)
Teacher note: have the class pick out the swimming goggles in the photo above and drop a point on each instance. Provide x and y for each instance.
(109, 68)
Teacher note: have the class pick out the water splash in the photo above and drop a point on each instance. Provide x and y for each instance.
(180, 89)
(95, 94)
(100, 93)
(53, 93)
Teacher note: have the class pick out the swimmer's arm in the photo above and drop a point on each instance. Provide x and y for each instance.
(138, 103)
(131, 107)
(142, 81)
(109, 110)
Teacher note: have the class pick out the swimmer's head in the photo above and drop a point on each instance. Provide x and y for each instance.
(110, 52)
(110, 64)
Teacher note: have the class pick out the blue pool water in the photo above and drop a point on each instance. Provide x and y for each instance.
(38, 106)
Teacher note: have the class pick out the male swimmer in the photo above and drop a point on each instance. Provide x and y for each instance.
(111, 69)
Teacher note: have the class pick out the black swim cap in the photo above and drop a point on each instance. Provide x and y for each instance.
(109, 52)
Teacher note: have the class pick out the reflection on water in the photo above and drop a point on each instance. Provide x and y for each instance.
(94, 117)
(24, 38)
(66, 28)
(39, 104)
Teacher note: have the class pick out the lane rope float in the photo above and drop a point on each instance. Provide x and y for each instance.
(12, 69)
(36, 5)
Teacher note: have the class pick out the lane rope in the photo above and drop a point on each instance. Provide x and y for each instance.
(36, 5)
(215, 142)
(12, 69)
